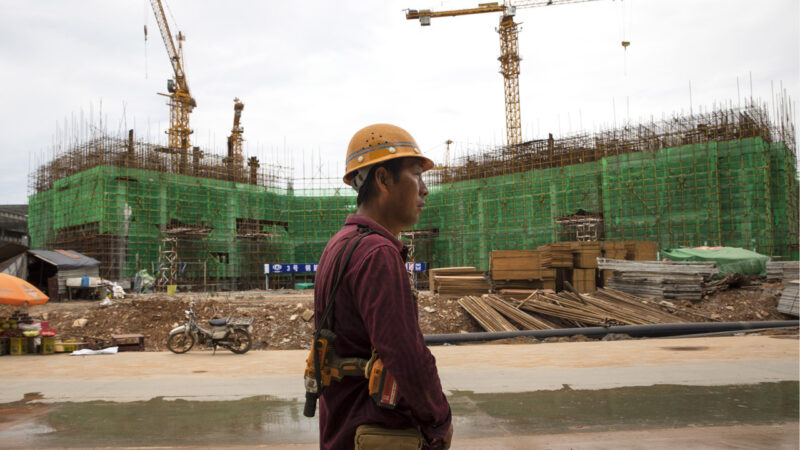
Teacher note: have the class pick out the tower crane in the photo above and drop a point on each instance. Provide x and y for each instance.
(509, 49)
(235, 139)
(181, 102)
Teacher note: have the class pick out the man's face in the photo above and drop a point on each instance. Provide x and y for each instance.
(407, 195)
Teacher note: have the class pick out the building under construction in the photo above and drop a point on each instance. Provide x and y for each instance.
(201, 221)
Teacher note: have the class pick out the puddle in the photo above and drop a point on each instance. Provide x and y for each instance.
(266, 420)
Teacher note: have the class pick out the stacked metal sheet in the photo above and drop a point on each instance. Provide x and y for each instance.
(783, 270)
(790, 299)
(680, 280)
(774, 270)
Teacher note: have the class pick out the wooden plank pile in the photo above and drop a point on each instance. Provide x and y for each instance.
(543, 310)
(550, 265)
(487, 317)
(558, 254)
(583, 280)
(519, 270)
(790, 298)
(660, 279)
(641, 251)
(585, 254)
(458, 281)
(611, 250)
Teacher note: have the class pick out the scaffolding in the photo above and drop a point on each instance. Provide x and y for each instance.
(728, 177)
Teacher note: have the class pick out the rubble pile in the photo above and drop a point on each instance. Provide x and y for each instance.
(285, 320)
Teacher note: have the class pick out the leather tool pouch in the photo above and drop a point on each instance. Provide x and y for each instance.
(373, 437)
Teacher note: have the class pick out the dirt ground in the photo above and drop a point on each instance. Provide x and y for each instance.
(279, 319)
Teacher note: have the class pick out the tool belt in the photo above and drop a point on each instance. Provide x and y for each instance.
(324, 365)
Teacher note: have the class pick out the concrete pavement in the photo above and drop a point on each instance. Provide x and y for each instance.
(486, 368)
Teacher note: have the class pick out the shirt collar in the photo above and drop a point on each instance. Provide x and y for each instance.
(358, 219)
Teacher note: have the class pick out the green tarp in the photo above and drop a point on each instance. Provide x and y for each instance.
(729, 259)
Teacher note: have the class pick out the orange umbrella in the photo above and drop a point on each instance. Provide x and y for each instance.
(18, 292)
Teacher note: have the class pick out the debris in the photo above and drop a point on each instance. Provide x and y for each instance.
(428, 309)
(86, 351)
(293, 317)
(307, 315)
(80, 323)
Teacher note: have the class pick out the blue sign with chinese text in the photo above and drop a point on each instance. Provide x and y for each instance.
(312, 268)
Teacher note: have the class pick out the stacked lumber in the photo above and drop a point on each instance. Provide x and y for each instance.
(525, 321)
(458, 281)
(567, 307)
(583, 280)
(602, 308)
(585, 256)
(641, 251)
(519, 269)
(487, 317)
(546, 310)
(557, 254)
(610, 250)
(660, 279)
(790, 298)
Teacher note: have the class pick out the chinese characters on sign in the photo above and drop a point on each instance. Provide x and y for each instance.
(312, 268)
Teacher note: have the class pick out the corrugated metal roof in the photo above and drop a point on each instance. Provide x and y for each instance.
(65, 259)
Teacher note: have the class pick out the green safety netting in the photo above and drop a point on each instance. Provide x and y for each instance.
(740, 193)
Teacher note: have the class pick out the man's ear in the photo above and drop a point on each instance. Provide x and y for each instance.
(382, 179)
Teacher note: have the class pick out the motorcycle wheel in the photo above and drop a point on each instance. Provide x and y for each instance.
(240, 341)
(180, 342)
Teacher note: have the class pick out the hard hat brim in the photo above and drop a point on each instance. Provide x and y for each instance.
(427, 164)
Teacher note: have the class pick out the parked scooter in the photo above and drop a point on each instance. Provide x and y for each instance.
(235, 334)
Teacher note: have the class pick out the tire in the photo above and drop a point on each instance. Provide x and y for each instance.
(180, 342)
(240, 341)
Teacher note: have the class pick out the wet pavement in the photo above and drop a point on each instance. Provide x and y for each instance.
(700, 393)
(265, 420)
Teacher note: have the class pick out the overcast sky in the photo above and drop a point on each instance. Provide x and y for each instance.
(312, 73)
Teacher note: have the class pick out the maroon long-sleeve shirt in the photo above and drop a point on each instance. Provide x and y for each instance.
(374, 307)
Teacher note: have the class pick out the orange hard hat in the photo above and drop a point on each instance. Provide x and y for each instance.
(378, 143)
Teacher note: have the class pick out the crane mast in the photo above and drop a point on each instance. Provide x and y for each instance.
(509, 50)
(235, 139)
(180, 102)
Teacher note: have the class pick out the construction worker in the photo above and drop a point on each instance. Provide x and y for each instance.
(374, 310)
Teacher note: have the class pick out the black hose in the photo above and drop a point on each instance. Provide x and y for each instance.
(652, 330)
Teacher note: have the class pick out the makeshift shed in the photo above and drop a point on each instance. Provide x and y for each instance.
(48, 270)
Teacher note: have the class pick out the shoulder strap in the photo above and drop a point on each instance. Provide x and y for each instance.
(339, 269)
(342, 260)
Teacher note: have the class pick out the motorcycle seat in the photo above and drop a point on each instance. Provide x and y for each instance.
(218, 322)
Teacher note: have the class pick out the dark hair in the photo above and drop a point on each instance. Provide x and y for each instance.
(367, 190)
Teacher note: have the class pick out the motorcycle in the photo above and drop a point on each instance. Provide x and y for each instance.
(235, 334)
